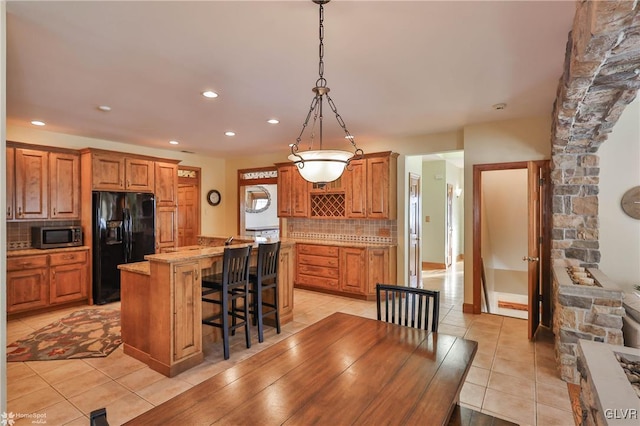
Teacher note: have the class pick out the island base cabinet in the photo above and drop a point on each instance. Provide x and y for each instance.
(175, 317)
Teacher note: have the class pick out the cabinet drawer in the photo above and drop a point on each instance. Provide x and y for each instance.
(307, 259)
(318, 271)
(318, 250)
(314, 281)
(68, 258)
(27, 262)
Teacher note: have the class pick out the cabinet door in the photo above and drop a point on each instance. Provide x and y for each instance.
(378, 269)
(68, 282)
(352, 270)
(27, 289)
(32, 174)
(11, 184)
(285, 181)
(64, 194)
(166, 228)
(299, 195)
(107, 172)
(378, 187)
(286, 274)
(187, 313)
(166, 183)
(139, 175)
(356, 189)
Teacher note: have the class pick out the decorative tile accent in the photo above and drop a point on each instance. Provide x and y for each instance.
(350, 230)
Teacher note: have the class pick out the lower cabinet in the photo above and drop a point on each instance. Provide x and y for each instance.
(40, 281)
(350, 271)
(187, 331)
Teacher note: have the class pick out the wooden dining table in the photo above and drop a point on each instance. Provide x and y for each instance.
(344, 369)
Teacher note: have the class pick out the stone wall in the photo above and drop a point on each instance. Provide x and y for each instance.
(584, 312)
(601, 76)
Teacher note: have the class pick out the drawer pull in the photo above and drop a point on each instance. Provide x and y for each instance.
(26, 263)
(69, 256)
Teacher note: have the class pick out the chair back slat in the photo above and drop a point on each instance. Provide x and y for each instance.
(407, 306)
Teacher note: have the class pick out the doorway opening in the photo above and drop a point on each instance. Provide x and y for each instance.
(258, 203)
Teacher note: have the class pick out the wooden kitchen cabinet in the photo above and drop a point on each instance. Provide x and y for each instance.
(166, 184)
(27, 283)
(293, 192)
(187, 328)
(31, 184)
(166, 228)
(286, 277)
(353, 270)
(10, 182)
(116, 172)
(371, 187)
(64, 192)
(68, 274)
(380, 267)
(318, 267)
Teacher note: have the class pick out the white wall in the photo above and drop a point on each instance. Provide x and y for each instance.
(619, 171)
(213, 218)
(434, 205)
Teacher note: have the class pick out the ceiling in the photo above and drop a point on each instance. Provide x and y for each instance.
(396, 69)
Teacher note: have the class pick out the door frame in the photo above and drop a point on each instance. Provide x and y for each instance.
(414, 177)
(545, 223)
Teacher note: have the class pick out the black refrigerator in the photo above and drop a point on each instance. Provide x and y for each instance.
(123, 232)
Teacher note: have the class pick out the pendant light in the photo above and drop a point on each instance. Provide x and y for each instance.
(322, 166)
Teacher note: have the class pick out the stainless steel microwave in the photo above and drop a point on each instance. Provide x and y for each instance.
(45, 237)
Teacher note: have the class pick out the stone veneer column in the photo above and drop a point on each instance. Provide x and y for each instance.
(601, 76)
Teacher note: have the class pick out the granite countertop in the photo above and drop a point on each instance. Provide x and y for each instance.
(142, 268)
(33, 251)
(262, 228)
(202, 252)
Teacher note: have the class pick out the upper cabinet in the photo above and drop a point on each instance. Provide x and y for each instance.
(166, 179)
(293, 192)
(64, 192)
(117, 172)
(32, 178)
(10, 185)
(367, 189)
(42, 184)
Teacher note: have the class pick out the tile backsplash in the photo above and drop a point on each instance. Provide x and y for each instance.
(354, 230)
(19, 233)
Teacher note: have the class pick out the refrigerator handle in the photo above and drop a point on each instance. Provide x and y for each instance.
(126, 241)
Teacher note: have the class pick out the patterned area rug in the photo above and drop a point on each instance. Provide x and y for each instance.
(89, 333)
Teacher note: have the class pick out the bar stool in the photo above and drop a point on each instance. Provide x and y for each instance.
(263, 277)
(229, 286)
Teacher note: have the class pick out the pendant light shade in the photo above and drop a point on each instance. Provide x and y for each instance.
(322, 166)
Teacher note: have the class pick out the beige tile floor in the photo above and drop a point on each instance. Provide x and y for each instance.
(511, 378)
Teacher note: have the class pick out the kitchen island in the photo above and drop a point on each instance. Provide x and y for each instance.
(161, 308)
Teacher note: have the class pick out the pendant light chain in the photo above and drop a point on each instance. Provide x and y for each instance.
(316, 108)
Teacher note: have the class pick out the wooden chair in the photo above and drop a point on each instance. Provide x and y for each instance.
(231, 287)
(408, 306)
(262, 278)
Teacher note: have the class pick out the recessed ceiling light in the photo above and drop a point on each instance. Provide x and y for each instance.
(174, 142)
(105, 108)
(209, 94)
(499, 107)
(273, 121)
(230, 133)
(37, 123)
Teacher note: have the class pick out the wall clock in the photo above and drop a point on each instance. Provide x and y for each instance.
(213, 197)
(631, 202)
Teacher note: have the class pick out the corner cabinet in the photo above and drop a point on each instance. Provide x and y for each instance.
(293, 192)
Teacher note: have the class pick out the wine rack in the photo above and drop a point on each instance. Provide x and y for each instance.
(328, 205)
